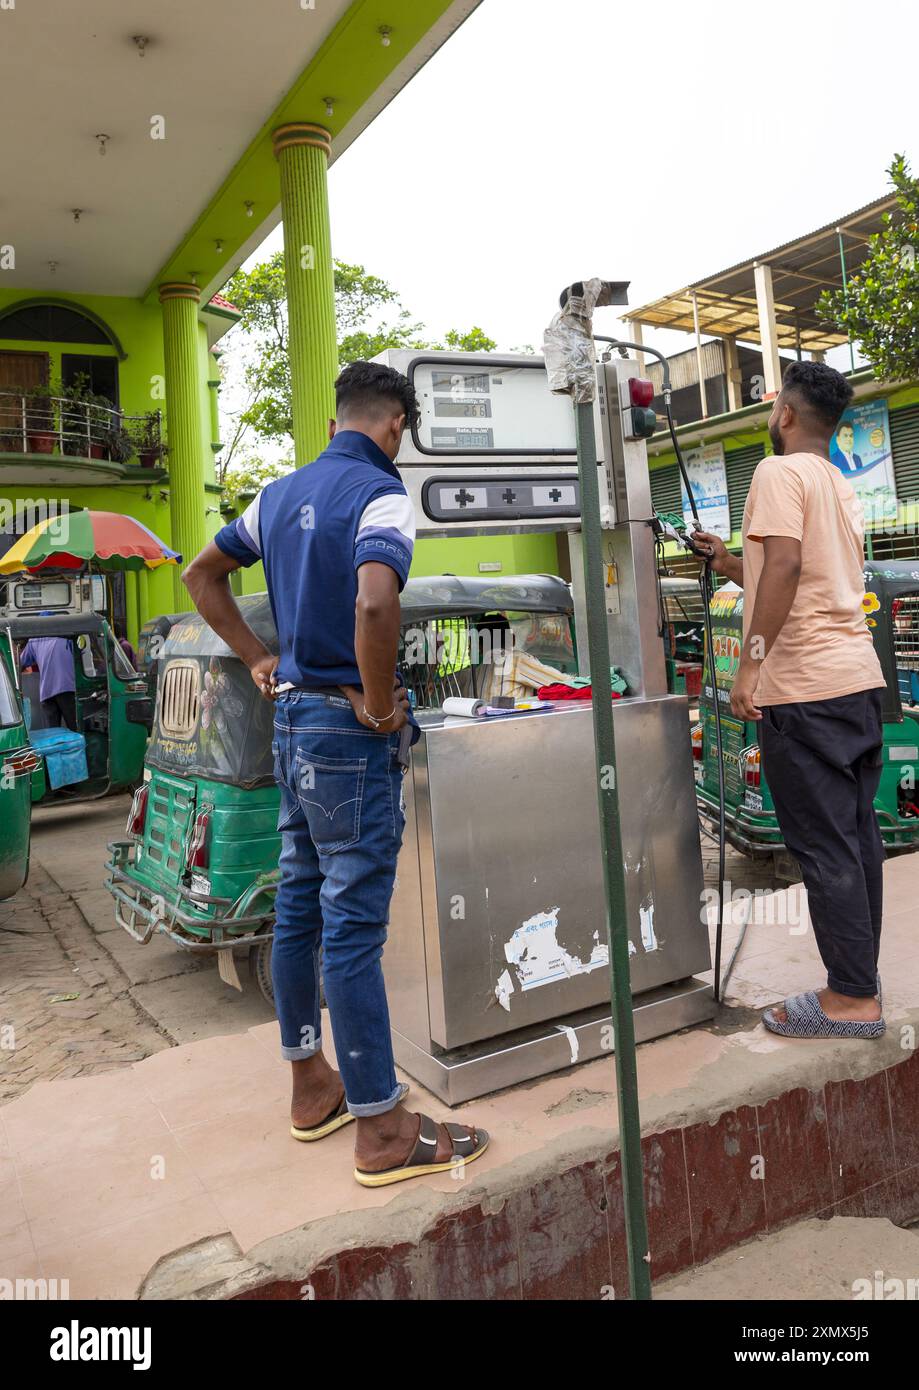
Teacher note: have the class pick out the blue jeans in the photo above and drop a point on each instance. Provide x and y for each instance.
(341, 826)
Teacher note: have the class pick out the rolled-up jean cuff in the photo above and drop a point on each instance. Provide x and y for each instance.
(301, 1054)
(852, 991)
(380, 1107)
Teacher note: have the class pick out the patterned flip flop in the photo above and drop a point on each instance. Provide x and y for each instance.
(804, 1018)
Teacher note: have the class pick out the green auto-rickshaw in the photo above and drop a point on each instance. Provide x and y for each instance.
(113, 709)
(17, 763)
(892, 612)
(200, 856)
(200, 860)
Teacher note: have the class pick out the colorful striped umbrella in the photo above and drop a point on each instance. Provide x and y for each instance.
(77, 539)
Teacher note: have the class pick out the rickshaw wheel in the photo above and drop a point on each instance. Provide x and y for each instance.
(260, 967)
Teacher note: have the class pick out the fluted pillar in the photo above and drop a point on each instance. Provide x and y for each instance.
(302, 151)
(183, 423)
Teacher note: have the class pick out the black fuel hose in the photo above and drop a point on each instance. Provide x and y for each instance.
(706, 584)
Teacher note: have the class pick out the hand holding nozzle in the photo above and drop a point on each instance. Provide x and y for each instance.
(710, 548)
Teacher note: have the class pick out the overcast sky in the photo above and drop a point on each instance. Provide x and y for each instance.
(657, 142)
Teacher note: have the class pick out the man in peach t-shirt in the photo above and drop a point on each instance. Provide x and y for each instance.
(810, 677)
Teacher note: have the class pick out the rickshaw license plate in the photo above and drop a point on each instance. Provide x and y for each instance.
(200, 886)
(753, 801)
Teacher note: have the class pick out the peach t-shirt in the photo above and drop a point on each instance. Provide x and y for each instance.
(824, 649)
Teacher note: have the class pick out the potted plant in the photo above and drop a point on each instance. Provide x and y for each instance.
(149, 442)
(79, 426)
(118, 443)
(40, 420)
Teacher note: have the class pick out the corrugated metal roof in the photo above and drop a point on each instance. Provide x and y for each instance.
(801, 269)
(684, 367)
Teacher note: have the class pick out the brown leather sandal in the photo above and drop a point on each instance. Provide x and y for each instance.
(338, 1118)
(466, 1149)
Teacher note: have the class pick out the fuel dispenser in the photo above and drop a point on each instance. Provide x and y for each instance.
(497, 966)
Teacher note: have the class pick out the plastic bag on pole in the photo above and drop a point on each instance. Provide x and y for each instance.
(568, 344)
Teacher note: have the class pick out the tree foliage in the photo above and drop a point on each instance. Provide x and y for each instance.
(250, 475)
(370, 318)
(880, 308)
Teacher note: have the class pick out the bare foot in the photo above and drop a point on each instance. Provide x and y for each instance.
(317, 1092)
(842, 1008)
(387, 1141)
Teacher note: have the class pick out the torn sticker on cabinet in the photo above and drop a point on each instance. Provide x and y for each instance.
(503, 991)
(648, 937)
(537, 958)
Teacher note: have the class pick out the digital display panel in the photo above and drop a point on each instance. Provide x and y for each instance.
(450, 409)
(477, 384)
(507, 408)
(43, 595)
(462, 439)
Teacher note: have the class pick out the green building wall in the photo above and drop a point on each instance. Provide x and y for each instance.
(138, 328)
(527, 554)
(750, 434)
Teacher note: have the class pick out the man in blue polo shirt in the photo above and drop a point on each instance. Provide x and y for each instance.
(336, 541)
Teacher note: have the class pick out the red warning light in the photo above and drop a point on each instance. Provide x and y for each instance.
(641, 391)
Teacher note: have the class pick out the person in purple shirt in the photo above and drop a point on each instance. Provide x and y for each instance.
(56, 680)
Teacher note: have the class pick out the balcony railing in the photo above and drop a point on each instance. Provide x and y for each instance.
(32, 423)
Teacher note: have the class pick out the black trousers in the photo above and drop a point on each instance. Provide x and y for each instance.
(61, 710)
(822, 760)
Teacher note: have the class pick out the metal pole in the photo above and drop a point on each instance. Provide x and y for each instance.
(636, 1221)
(703, 392)
(845, 289)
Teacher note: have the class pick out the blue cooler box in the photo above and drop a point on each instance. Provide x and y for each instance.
(64, 753)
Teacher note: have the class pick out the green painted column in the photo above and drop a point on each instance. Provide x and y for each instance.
(183, 424)
(143, 599)
(302, 151)
(214, 384)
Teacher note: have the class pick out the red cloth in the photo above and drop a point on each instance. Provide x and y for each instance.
(569, 692)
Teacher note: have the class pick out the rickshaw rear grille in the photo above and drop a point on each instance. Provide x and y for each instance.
(905, 615)
(170, 810)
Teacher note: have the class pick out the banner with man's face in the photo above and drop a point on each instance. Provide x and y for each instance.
(861, 450)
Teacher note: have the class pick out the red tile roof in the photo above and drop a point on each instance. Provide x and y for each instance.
(219, 302)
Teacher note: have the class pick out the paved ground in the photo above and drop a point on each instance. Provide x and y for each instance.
(77, 995)
(827, 1261)
(64, 1005)
(58, 939)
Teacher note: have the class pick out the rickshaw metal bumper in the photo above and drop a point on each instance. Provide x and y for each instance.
(142, 913)
(760, 836)
(758, 841)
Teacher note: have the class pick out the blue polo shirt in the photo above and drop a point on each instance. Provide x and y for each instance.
(312, 530)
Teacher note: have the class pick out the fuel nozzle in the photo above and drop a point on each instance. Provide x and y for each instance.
(670, 526)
